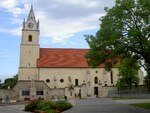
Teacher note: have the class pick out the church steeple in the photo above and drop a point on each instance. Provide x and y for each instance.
(29, 50)
(31, 15)
(31, 23)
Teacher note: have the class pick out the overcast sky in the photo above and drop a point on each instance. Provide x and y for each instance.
(62, 25)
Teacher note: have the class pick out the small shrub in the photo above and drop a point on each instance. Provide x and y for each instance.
(33, 105)
(38, 111)
(61, 105)
(52, 111)
(39, 106)
(47, 111)
(44, 105)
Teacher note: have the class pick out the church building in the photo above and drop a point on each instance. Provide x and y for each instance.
(58, 72)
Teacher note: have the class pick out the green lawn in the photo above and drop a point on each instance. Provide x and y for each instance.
(121, 98)
(142, 105)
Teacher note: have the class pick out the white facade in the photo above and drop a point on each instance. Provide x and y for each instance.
(76, 81)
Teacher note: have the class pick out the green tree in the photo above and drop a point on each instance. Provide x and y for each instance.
(125, 31)
(128, 73)
(10, 82)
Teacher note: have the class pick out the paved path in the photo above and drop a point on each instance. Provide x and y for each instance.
(12, 109)
(104, 105)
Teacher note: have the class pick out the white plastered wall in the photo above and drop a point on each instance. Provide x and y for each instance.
(55, 74)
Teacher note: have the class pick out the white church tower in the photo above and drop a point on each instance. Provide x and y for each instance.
(29, 50)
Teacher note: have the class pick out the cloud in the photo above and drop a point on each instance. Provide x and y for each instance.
(61, 29)
(82, 3)
(8, 3)
(60, 19)
(15, 31)
(12, 6)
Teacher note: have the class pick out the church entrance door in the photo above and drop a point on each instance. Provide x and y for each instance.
(96, 91)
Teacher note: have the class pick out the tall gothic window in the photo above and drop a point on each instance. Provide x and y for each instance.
(76, 82)
(96, 80)
(111, 77)
(30, 38)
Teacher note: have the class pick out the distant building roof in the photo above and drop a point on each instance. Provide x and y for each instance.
(63, 58)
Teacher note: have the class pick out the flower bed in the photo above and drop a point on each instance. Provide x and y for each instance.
(41, 106)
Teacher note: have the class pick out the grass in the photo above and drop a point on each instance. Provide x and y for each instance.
(124, 98)
(142, 105)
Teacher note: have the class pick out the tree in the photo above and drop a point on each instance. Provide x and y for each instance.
(10, 82)
(125, 31)
(128, 73)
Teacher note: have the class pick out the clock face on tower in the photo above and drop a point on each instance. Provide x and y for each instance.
(30, 25)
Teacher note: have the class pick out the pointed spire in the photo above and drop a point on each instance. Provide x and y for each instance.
(31, 23)
(38, 23)
(31, 15)
(24, 22)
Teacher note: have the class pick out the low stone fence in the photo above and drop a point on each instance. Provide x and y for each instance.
(7, 96)
(130, 93)
(57, 93)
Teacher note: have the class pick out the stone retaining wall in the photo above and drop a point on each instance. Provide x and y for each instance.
(7, 95)
(132, 93)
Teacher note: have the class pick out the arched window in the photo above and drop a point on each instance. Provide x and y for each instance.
(96, 80)
(111, 77)
(105, 83)
(76, 82)
(30, 38)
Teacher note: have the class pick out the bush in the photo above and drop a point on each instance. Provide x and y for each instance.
(52, 111)
(47, 111)
(33, 105)
(61, 105)
(39, 106)
(44, 105)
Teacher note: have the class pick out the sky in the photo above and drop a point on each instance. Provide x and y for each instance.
(63, 24)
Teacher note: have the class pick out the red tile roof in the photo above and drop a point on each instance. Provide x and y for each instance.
(63, 58)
